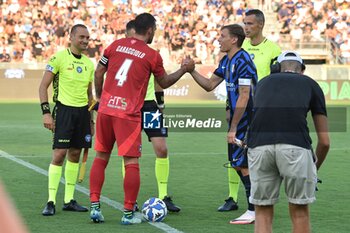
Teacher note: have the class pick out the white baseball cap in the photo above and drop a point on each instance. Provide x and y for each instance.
(290, 56)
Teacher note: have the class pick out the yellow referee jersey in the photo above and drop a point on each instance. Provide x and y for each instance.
(72, 78)
(263, 55)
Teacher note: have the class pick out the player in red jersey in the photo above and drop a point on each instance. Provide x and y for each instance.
(129, 63)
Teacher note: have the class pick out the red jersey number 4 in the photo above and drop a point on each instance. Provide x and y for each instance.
(122, 73)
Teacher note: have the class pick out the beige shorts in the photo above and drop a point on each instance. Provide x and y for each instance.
(271, 164)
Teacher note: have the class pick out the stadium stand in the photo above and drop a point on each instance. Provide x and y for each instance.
(32, 30)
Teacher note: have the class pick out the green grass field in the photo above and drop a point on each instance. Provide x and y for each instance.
(197, 183)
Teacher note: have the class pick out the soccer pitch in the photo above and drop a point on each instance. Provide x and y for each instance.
(197, 182)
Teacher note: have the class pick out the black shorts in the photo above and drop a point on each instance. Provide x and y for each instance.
(237, 156)
(72, 127)
(151, 106)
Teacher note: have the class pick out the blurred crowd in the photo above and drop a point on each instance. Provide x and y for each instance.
(316, 21)
(32, 30)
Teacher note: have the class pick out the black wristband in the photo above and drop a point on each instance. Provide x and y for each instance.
(45, 107)
(160, 97)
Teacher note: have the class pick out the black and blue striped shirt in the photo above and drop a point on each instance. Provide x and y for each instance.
(239, 70)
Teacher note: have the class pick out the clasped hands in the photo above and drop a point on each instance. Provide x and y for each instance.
(188, 64)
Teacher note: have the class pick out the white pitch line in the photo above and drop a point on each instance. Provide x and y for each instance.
(175, 153)
(162, 226)
(147, 154)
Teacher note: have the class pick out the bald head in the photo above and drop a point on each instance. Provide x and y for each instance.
(294, 66)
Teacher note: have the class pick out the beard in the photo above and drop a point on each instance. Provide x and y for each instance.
(150, 40)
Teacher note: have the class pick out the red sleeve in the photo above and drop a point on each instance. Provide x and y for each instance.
(158, 68)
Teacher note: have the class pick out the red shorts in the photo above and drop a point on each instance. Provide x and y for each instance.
(126, 133)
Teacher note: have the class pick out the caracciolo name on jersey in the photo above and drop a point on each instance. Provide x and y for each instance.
(130, 51)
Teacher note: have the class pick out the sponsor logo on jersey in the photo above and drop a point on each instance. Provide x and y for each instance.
(230, 86)
(78, 62)
(117, 102)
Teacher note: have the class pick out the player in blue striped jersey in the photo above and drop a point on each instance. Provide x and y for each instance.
(240, 75)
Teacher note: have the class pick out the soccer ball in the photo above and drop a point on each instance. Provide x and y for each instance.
(154, 210)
